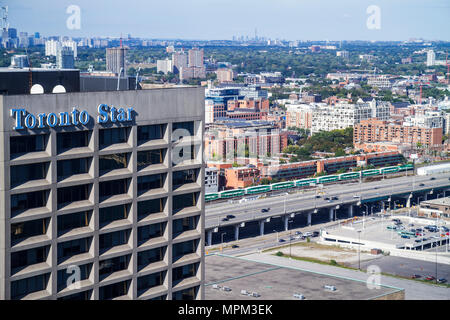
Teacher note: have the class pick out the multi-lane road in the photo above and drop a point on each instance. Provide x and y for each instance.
(307, 200)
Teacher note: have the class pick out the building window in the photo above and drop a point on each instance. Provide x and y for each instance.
(148, 158)
(186, 294)
(181, 249)
(113, 239)
(67, 168)
(186, 126)
(108, 137)
(21, 288)
(28, 172)
(146, 208)
(29, 257)
(109, 266)
(150, 281)
(72, 248)
(184, 154)
(113, 162)
(110, 214)
(30, 200)
(64, 274)
(152, 231)
(25, 230)
(150, 256)
(184, 272)
(152, 132)
(146, 183)
(185, 224)
(184, 201)
(114, 290)
(70, 140)
(73, 194)
(184, 177)
(73, 221)
(112, 188)
(27, 144)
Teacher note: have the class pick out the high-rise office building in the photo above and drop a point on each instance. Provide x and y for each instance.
(52, 47)
(431, 57)
(102, 195)
(116, 60)
(196, 57)
(65, 58)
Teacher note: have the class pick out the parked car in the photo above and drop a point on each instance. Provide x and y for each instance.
(429, 278)
(298, 233)
(308, 234)
(315, 233)
(225, 219)
(415, 276)
(264, 210)
(441, 280)
(406, 237)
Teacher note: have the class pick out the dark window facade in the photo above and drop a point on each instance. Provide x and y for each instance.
(184, 154)
(109, 266)
(67, 168)
(64, 274)
(146, 183)
(150, 281)
(146, 208)
(152, 132)
(113, 161)
(186, 294)
(26, 144)
(29, 257)
(112, 136)
(114, 290)
(184, 248)
(73, 221)
(21, 288)
(111, 214)
(184, 201)
(112, 188)
(184, 272)
(150, 256)
(72, 248)
(73, 194)
(185, 224)
(30, 200)
(28, 172)
(183, 177)
(188, 126)
(151, 231)
(148, 158)
(70, 140)
(24, 230)
(81, 296)
(112, 239)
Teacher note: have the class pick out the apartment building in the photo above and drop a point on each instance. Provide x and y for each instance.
(102, 195)
(373, 130)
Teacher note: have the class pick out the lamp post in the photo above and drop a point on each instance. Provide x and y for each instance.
(290, 239)
(359, 249)
(277, 235)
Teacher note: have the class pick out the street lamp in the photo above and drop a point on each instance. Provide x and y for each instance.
(290, 238)
(359, 249)
(277, 235)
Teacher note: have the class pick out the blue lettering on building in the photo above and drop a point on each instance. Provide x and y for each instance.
(25, 120)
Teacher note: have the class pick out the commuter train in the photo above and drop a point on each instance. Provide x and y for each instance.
(306, 182)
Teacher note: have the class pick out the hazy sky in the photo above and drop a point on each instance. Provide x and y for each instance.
(221, 19)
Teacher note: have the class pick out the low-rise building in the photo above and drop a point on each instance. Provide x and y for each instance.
(437, 208)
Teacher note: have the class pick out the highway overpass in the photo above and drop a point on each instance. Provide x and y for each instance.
(304, 207)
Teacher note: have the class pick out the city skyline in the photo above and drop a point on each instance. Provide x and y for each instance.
(197, 20)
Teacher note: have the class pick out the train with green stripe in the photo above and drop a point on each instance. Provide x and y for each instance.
(228, 194)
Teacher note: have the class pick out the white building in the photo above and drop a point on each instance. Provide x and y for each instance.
(431, 58)
(380, 81)
(344, 54)
(430, 119)
(164, 66)
(51, 47)
(344, 115)
(211, 180)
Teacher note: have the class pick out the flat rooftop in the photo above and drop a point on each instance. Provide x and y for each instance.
(279, 283)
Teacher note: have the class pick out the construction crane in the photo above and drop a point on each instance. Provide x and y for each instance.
(448, 68)
(420, 83)
(137, 78)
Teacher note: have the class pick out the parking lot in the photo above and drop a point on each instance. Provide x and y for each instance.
(279, 283)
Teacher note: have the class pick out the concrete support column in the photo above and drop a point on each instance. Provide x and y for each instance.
(210, 237)
(350, 211)
(286, 223)
(408, 202)
(309, 218)
(236, 232)
(261, 228)
(331, 214)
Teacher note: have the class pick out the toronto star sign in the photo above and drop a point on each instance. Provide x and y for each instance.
(25, 120)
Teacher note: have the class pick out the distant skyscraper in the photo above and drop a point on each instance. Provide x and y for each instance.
(195, 57)
(164, 66)
(19, 61)
(431, 56)
(65, 58)
(51, 47)
(116, 59)
(179, 60)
